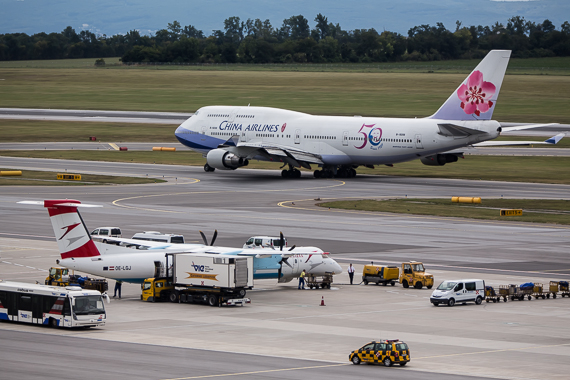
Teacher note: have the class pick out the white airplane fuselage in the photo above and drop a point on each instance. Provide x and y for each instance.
(338, 140)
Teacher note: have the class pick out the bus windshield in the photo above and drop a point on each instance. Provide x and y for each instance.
(86, 305)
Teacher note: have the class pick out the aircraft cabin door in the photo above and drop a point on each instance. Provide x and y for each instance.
(242, 137)
(232, 115)
(419, 142)
(298, 136)
(345, 138)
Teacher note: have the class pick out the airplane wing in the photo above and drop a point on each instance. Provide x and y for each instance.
(551, 141)
(151, 245)
(273, 152)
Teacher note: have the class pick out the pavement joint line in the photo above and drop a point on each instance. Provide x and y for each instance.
(258, 372)
(493, 351)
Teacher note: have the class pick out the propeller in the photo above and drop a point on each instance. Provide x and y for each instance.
(213, 237)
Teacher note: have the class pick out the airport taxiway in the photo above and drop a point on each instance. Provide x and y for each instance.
(522, 340)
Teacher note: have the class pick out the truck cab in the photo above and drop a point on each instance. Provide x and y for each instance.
(413, 273)
(157, 289)
(265, 242)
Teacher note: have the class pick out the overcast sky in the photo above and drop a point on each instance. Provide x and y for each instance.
(119, 16)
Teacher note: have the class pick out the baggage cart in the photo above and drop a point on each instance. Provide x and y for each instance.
(491, 295)
(319, 281)
(564, 289)
(553, 289)
(538, 291)
(526, 289)
(516, 293)
(504, 292)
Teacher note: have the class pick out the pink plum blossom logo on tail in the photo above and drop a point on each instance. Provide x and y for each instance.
(475, 94)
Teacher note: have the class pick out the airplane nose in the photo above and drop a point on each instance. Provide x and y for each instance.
(337, 268)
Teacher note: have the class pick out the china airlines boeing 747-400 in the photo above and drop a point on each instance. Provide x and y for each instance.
(229, 137)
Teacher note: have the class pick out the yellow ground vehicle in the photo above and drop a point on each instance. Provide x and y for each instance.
(387, 352)
(413, 274)
(162, 289)
(380, 275)
(61, 277)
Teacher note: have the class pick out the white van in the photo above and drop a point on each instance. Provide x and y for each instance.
(265, 242)
(104, 233)
(451, 292)
(159, 237)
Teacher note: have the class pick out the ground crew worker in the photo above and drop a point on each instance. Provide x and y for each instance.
(351, 273)
(302, 280)
(118, 285)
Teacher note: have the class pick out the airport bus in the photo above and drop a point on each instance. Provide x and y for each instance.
(53, 306)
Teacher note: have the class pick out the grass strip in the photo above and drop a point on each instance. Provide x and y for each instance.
(73, 131)
(43, 178)
(537, 169)
(534, 210)
(524, 98)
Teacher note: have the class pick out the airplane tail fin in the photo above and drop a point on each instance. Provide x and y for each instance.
(71, 234)
(476, 97)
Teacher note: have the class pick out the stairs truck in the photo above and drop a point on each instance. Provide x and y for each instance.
(210, 279)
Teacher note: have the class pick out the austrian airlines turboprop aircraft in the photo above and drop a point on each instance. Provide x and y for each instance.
(80, 253)
(231, 136)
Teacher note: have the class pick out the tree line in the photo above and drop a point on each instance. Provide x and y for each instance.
(257, 41)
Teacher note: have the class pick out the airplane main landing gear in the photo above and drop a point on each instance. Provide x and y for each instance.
(291, 173)
(330, 172)
(208, 168)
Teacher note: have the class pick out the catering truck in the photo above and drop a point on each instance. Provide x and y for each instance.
(211, 279)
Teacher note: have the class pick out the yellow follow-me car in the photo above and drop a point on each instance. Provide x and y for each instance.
(387, 352)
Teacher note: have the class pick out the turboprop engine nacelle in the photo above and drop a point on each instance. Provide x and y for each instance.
(224, 160)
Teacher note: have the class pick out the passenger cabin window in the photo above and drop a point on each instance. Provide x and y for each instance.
(258, 241)
(103, 232)
(470, 286)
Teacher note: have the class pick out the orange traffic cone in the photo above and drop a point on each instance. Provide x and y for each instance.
(323, 301)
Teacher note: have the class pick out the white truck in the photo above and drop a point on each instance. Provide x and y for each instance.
(212, 279)
(105, 234)
(159, 237)
(265, 242)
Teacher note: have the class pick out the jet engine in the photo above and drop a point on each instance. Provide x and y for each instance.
(439, 159)
(224, 160)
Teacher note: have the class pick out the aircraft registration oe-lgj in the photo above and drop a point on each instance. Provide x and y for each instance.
(231, 136)
(79, 252)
